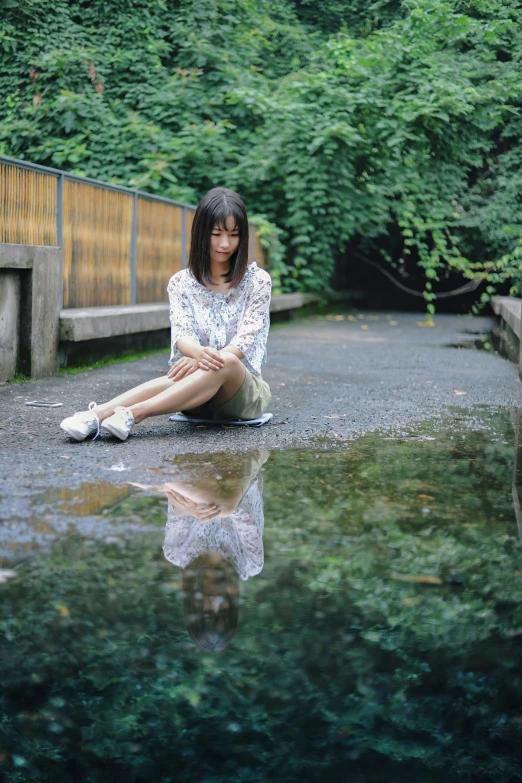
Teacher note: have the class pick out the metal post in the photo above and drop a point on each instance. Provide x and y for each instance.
(134, 235)
(183, 237)
(59, 225)
(251, 244)
(520, 349)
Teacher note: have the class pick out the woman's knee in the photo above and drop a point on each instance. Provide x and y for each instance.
(232, 363)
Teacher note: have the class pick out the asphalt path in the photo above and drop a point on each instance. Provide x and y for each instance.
(333, 378)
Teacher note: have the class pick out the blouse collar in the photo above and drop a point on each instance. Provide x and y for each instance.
(213, 294)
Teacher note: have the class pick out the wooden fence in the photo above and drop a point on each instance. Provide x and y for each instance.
(119, 246)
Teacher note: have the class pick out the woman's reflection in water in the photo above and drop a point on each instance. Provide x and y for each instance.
(214, 532)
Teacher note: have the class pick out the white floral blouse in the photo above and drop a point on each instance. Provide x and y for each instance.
(239, 537)
(241, 317)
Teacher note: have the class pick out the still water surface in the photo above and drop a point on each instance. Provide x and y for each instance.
(352, 615)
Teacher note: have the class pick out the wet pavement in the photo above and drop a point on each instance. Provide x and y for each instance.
(334, 596)
(332, 378)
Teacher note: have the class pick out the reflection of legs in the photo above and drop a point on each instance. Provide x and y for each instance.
(162, 395)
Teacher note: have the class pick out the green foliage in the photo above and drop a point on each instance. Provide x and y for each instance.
(391, 126)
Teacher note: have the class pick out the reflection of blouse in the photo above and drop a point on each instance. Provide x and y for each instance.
(239, 537)
(240, 318)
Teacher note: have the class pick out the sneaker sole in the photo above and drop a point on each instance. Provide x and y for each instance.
(74, 433)
(114, 431)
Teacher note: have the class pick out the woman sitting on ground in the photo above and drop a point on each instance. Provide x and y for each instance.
(220, 316)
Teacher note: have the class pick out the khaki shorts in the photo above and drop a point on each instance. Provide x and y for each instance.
(249, 402)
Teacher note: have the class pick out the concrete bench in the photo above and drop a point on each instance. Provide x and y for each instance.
(93, 323)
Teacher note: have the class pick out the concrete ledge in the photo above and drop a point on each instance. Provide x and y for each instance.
(291, 301)
(510, 310)
(30, 290)
(92, 323)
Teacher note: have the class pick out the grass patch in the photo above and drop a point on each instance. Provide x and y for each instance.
(105, 361)
(19, 378)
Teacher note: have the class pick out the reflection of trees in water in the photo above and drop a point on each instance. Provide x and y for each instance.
(337, 671)
(516, 418)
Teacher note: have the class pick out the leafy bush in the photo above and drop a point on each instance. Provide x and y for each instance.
(391, 127)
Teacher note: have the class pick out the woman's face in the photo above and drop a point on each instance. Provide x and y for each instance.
(224, 241)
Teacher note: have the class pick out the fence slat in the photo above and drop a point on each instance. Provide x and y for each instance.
(158, 248)
(28, 207)
(96, 242)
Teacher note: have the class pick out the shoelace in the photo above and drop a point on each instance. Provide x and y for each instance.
(92, 405)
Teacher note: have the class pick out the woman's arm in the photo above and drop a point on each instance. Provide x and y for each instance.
(234, 350)
(251, 337)
(207, 358)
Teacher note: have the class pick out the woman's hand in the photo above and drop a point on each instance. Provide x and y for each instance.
(183, 367)
(210, 359)
(202, 511)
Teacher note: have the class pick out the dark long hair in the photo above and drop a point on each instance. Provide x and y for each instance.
(210, 631)
(213, 210)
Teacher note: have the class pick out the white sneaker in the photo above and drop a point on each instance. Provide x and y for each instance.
(82, 424)
(120, 423)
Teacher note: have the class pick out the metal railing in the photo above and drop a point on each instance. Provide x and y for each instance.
(119, 245)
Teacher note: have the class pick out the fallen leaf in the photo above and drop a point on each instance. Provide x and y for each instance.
(423, 580)
(425, 323)
(426, 497)
(352, 318)
(393, 323)
(364, 326)
(63, 610)
(456, 391)
(409, 601)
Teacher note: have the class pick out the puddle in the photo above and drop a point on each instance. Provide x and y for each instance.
(360, 619)
(481, 342)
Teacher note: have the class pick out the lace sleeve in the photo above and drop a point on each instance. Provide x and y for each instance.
(249, 522)
(181, 317)
(253, 332)
(178, 533)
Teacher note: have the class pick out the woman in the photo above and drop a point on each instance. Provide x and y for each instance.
(220, 315)
(214, 533)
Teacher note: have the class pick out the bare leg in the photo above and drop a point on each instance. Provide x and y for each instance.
(161, 396)
(138, 394)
